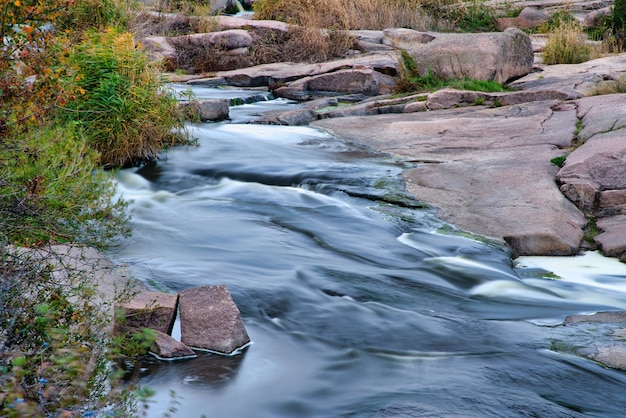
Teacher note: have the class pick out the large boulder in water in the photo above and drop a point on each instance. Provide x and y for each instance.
(210, 320)
(498, 56)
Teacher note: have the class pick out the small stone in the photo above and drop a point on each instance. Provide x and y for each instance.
(165, 347)
(154, 310)
(210, 320)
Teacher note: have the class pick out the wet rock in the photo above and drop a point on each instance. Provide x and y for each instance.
(499, 56)
(361, 80)
(165, 347)
(210, 320)
(613, 356)
(289, 118)
(604, 317)
(206, 109)
(154, 310)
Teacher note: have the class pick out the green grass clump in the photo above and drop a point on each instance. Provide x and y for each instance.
(412, 81)
(119, 102)
(559, 161)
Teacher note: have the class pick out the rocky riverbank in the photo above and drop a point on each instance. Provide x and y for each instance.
(483, 160)
(540, 168)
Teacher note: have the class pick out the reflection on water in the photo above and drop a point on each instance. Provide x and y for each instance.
(207, 371)
(356, 307)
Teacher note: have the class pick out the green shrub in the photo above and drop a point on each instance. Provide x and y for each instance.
(119, 103)
(566, 44)
(52, 192)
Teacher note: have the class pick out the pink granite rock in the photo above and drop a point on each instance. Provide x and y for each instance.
(154, 310)
(165, 347)
(210, 320)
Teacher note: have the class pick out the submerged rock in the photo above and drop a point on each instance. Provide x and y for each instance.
(210, 320)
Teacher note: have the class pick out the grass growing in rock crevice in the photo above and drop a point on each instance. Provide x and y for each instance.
(412, 81)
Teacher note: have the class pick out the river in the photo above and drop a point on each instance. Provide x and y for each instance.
(358, 301)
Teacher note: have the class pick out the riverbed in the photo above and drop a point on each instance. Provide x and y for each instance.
(358, 300)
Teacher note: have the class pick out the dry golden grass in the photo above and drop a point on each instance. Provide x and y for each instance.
(357, 14)
(299, 44)
(566, 44)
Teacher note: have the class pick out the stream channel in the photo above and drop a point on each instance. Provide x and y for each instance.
(356, 307)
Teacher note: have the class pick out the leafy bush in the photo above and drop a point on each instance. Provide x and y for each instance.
(566, 44)
(52, 192)
(120, 104)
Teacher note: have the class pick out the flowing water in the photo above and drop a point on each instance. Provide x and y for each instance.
(356, 307)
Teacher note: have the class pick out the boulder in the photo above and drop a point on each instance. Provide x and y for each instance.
(594, 175)
(221, 5)
(154, 310)
(359, 80)
(165, 347)
(160, 49)
(210, 320)
(230, 39)
(277, 74)
(529, 18)
(612, 240)
(289, 118)
(206, 109)
(596, 18)
(498, 56)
